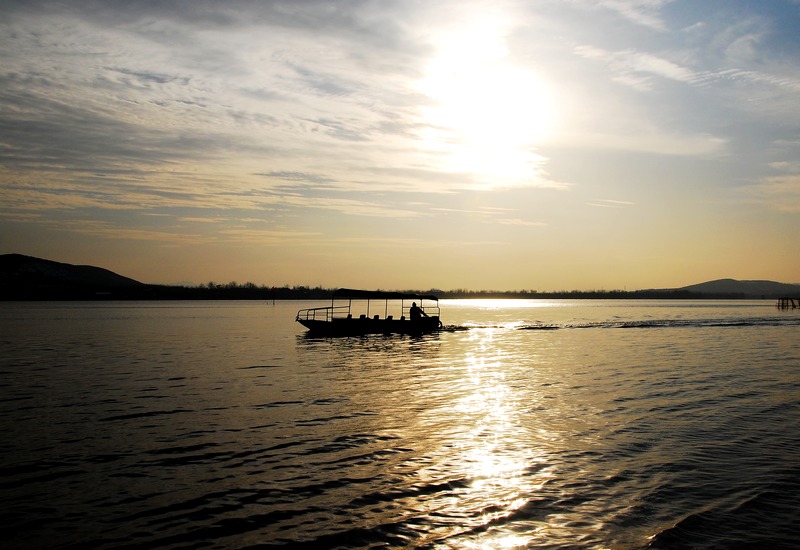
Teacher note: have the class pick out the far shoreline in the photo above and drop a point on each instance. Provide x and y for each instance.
(146, 292)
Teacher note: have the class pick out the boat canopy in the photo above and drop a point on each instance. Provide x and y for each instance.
(345, 293)
(351, 315)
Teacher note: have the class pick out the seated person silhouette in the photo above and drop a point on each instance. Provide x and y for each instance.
(416, 313)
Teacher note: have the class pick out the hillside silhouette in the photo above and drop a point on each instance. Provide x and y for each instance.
(29, 278)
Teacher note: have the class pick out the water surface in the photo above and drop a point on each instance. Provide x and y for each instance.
(593, 424)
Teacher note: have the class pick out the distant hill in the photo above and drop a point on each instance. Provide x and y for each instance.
(26, 277)
(746, 289)
(29, 278)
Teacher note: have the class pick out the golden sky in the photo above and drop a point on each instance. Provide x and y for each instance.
(531, 144)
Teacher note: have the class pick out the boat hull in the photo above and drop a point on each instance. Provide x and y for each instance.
(362, 326)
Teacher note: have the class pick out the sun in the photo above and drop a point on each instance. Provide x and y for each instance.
(485, 113)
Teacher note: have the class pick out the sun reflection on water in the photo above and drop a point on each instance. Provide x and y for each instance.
(492, 446)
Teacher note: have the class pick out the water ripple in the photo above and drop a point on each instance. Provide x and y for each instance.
(220, 427)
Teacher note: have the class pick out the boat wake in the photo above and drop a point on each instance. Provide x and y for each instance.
(667, 323)
(453, 328)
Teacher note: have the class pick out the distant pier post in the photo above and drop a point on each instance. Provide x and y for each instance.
(788, 303)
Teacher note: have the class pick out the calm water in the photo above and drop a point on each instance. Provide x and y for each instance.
(556, 424)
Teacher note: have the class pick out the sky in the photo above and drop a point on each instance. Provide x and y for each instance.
(507, 145)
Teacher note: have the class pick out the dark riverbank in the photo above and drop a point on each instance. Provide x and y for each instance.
(24, 278)
(34, 292)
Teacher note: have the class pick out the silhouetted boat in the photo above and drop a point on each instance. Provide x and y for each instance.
(357, 312)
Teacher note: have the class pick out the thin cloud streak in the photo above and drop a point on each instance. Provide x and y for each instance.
(641, 12)
(609, 203)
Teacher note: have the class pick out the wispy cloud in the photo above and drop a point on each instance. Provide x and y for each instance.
(609, 203)
(641, 12)
(636, 68)
(519, 222)
(779, 193)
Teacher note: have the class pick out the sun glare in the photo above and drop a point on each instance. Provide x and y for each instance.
(486, 114)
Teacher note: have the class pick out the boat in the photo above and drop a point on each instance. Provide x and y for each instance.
(359, 312)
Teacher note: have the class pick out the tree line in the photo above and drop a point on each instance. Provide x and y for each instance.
(251, 291)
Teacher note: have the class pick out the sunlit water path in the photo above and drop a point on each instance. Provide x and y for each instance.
(568, 424)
